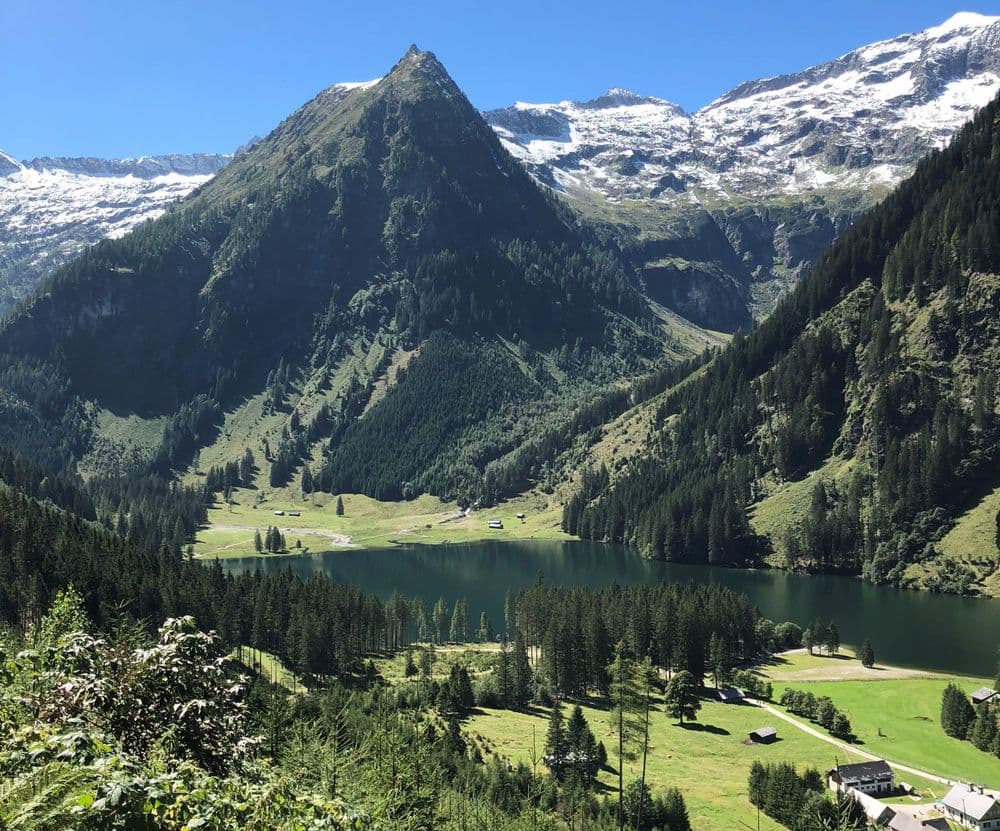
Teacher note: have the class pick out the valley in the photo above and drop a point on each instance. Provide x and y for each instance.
(582, 466)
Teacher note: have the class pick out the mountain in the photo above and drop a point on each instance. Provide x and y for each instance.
(52, 208)
(722, 209)
(377, 288)
(856, 428)
(725, 208)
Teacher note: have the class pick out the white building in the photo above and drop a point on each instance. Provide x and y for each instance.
(866, 777)
(972, 807)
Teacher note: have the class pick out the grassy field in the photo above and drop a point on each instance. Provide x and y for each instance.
(709, 761)
(900, 720)
(787, 504)
(971, 543)
(267, 666)
(367, 523)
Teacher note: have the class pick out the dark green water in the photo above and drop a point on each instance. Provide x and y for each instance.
(908, 628)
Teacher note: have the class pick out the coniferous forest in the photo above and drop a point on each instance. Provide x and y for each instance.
(884, 355)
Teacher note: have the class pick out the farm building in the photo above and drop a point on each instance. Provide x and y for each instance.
(878, 813)
(972, 807)
(495, 523)
(763, 735)
(730, 695)
(279, 513)
(865, 777)
(982, 695)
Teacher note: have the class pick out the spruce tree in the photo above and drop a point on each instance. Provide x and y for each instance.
(555, 741)
(983, 732)
(485, 633)
(866, 654)
(957, 714)
(675, 811)
(340, 506)
(439, 617)
(520, 673)
(756, 783)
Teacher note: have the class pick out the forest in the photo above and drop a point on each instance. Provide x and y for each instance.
(848, 366)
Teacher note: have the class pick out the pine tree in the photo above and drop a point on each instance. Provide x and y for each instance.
(555, 741)
(340, 506)
(520, 673)
(626, 706)
(426, 663)
(866, 654)
(307, 480)
(957, 714)
(459, 624)
(675, 811)
(409, 668)
(756, 783)
(439, 617)
(258, 543)
(681, 698)
(485, 633)
(983, 732)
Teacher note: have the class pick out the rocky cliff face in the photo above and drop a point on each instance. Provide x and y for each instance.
(52, 208)
(779, 165)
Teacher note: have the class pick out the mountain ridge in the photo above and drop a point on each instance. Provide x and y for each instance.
(375, 220)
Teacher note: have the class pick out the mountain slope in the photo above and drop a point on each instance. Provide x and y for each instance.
(873, 384)
(377, 218)
(51, 209)
(735, 201)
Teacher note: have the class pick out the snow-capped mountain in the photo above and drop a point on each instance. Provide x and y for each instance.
(726, 207)
(722, 209)
(50, 209)
(857, 121)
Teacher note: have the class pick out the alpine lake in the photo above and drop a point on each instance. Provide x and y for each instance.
(912, 629)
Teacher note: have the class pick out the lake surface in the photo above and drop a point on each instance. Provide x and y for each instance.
(907, 628)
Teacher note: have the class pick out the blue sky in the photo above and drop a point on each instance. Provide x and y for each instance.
(113, 78)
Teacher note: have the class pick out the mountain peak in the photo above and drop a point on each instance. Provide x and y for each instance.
(8, 164)
(417, 58)
(619, 97)
(962, 20)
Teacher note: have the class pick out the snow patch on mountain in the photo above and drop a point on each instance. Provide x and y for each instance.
(857, 122)
(52, 208)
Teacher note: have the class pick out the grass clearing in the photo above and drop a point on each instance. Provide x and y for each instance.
(368, 523)
(788, 504)
(971, 543)
(900, 720)
(708, 761)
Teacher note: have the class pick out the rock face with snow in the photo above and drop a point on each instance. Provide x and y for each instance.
(50, 209)
(722, 209)
(771, 170)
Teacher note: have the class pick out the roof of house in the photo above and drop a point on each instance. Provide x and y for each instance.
(764, 731)
(926, 820)
(877, 811)
(983, 693)
(902, 821)
(969, 802)
(864, 770)
(730, 694)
